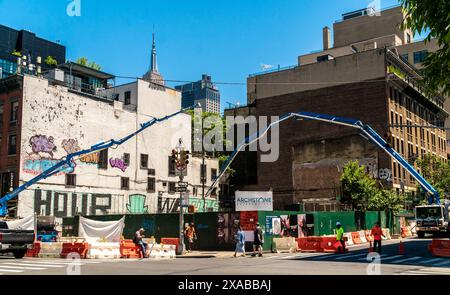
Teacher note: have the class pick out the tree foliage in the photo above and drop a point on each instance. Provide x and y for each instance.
(432, 17)
(49, 60)
(362, 192)
(358, 186)
(436, 171)
(85, 62)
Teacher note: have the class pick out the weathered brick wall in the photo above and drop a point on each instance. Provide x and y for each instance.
(365, 101)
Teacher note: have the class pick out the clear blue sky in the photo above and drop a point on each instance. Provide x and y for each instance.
(228, 39)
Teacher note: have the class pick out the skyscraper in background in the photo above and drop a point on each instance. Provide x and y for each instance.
(203, 92)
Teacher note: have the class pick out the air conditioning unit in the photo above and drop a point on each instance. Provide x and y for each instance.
(55, 75)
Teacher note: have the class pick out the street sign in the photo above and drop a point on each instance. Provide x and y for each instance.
(183, 184)
(181, 189)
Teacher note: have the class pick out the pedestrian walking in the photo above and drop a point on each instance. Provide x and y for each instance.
(139, 240)
(340, 235)
(240, 242)
(258, 240)
(377, 233)
(191, 235)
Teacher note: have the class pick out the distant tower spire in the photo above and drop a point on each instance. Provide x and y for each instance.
(154, 62)
(153, 74)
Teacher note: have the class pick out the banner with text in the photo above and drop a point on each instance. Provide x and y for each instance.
(254, 201)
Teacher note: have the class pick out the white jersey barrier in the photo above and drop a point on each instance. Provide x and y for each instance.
(100, 250)
(349, 239)
(284, 245)
(158, 251)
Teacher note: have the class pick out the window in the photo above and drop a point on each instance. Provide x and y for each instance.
(404, 57)
(171, 188)
(151, 184)
(71, 179)
(420, 56)
(172, 167)
(202, 172)
(127, 97)
(151, 172)
(14, 111)
(125, 183)
(12, 144)
(213, 174)
(103, 159)
(408, 38)
(144, 161)
(126, 159)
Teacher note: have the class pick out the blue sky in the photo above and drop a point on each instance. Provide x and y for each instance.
(228, 39)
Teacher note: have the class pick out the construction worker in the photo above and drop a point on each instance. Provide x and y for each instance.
(377, 233)
(191, 235)
(340, 235)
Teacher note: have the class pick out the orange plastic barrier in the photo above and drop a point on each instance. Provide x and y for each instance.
(369, 236)
(355, 238)
(128, 249)
(309, 244)
(79, 248)
(34, 252)
(406, 232)
(330, 245)
(440, 248)
(171, 241)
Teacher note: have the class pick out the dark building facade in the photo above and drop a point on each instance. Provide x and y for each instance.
(203, 92)
(14, 44)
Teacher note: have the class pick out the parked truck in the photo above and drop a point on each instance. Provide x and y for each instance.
(15, 241)
(432, 219)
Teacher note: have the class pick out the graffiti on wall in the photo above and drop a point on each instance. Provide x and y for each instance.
(168, 205)
(37, 166)
(136, 204)
(93, 159)
(211, 204)
(70, 145)
(118, 163)
(62, 204)
(41, 144)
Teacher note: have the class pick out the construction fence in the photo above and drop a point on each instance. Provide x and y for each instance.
(216, 231)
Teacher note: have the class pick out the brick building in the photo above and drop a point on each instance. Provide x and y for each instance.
(366, 76)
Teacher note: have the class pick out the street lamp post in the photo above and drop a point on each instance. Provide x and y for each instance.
(180, 157)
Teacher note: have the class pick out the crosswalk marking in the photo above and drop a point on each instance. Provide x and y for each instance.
(32, 264)
(391, 257)
(366, 258)
(406, 259)
(432, 260)
(22, 267)
(442, 263)
(10, 270)
(351, 256)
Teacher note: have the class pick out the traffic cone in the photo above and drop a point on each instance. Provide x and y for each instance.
(401, 248)
(370, 247)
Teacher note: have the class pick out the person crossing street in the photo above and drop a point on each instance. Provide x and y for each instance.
(377, 233)
(340, 236)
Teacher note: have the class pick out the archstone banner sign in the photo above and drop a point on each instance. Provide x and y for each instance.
(254, 201)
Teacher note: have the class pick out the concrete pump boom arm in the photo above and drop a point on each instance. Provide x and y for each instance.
(365, 131)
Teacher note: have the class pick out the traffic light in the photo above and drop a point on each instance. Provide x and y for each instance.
(185, 157)
(174, 156)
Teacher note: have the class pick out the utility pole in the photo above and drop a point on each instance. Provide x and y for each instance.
(180, 157)
(203, 171)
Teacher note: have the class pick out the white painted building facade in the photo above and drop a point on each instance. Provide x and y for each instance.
(57, 121)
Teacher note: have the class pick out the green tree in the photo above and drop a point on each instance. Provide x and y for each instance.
(85, 62)
(386, 200)
(197, 138)
(436, 171)
(432, 17)
(358, 187)
(49, 60)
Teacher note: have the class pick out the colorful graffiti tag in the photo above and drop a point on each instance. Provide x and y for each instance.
(43, 144)
(93, 159)
(70, 145)
(118, 163)
(37, 166)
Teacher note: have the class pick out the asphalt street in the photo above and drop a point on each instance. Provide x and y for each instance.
(415, 260)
